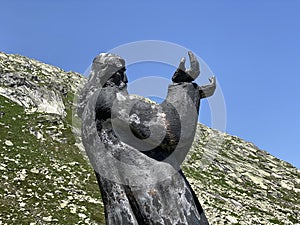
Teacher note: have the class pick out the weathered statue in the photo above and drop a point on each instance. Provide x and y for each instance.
(136, 146)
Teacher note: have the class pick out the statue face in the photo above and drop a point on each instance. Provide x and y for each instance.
(119, 78)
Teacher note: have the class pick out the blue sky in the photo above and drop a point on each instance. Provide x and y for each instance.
(253, 47)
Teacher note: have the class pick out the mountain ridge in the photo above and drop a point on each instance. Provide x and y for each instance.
(236, 182)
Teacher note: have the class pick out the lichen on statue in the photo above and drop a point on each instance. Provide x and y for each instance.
(136, 147)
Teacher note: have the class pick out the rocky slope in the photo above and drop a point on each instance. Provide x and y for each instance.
(241, 184)
(46, 179)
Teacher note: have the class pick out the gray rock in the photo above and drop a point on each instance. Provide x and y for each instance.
(8, 143)
(36, 86)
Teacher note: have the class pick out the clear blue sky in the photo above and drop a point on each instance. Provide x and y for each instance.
(253, 47)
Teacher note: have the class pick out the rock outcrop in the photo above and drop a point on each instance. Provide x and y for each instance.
(36, 86)
(241, 184)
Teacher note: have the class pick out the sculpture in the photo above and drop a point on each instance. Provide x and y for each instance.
(136, 147)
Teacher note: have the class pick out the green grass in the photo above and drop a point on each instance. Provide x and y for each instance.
(63, 172)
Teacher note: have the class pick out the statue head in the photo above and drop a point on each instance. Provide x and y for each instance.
(109, 59)
(108, 69)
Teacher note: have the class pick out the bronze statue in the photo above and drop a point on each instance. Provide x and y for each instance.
(136, 146)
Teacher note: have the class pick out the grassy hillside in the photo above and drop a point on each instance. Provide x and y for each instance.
(43, 180)
(46, 179)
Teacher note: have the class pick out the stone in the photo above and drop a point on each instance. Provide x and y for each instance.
(2, 113)
(141, 181)
(231, 219)
(47, 218)
(8, 143)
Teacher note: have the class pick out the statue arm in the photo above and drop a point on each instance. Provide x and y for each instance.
(209, 89)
